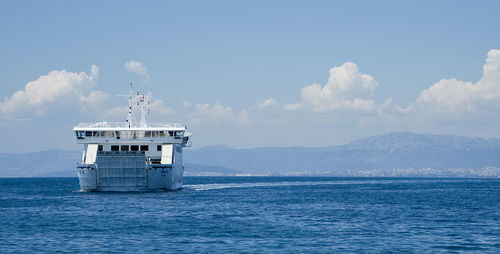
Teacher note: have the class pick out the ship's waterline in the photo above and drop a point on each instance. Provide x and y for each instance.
(131, 156)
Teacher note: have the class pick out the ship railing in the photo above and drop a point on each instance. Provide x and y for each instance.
(126, 125)
(132, 134)
(125, 139)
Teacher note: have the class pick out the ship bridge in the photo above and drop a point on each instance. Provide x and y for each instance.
(104, 132)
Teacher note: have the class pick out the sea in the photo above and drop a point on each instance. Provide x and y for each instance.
(255, 215)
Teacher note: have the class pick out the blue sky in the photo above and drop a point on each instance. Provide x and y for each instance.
(241, 73)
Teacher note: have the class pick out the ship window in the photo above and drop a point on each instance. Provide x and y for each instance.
(154, 133)
(158, 148)
(88, 134)
(170, 133)
(147, 134)
(124, 148)
(162, 133)
(115, 148)
(80, 135)
(127, 134)
(94, 133)
(117, 134)
(179, 133)
(99, 148)
(109, 134)
(144, 148)
(134, 148)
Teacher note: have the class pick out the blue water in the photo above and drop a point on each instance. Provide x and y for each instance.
(255, 214)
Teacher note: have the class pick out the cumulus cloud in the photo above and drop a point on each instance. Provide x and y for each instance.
(447, 106)
(56, 88)
(267, 103)
(456, 96)
(346, 88)
(137, 68)
(93, 101)
(217, 112)
(159, 108)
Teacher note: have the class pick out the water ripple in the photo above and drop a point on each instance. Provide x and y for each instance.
(254, 214)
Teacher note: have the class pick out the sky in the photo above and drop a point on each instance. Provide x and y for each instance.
(250, 73)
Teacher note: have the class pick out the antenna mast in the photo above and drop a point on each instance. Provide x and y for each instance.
(130, 116)
(143, 108)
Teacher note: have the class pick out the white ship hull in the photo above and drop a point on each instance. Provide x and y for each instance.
(157, 177)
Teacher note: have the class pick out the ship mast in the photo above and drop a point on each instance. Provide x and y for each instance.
(137, 101)
(141, 105)
(130, 116)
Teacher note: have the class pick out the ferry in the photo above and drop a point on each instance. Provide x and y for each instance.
(131, 155)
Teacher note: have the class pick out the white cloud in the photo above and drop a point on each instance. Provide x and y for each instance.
(267, 103)
(242, 118)
(217, 112)
(158, 108)
(296, 106)
(94, 100)
(137, 68)
(346, 88)
(214, 112)
(55, 88)
(458, 97)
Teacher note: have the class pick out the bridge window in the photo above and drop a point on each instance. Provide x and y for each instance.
(115, 148)
(134, 148)
(80, 135)
(88, 134)
(144, 148)
(124, 148)
(162, 133)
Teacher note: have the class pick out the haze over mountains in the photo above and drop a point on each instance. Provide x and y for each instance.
(394, 154)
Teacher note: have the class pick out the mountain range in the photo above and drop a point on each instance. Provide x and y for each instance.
(393, 154)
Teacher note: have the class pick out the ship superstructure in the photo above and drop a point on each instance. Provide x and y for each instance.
(130, 155)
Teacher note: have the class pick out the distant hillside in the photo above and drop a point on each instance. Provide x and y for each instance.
(203, 170)
(38, 163)
(394, 154)
(401, 150)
